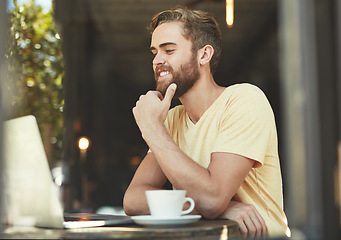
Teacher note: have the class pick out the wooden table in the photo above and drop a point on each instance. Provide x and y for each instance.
(203, 229)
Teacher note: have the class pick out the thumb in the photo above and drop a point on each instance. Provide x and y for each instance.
(170, 93)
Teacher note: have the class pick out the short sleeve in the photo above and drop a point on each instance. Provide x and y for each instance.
(246, 125)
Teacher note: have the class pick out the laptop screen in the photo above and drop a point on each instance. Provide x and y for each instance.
(30, 195)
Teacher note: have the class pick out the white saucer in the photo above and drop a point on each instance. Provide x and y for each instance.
(148, 220)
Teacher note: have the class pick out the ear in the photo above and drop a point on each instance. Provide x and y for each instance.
(205, 54)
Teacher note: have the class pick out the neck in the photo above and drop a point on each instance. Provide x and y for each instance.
(200, 97)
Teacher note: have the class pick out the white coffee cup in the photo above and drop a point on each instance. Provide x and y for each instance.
(168, 203)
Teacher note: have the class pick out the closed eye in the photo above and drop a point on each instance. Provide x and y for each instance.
(169, 51)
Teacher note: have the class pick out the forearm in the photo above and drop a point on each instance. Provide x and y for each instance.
(148, 176)
(183, 172)
(135, 201)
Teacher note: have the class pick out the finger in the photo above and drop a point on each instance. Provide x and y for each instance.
(261, 225)
(170, 93)
(262, 230)
(251, 228)
(134, 112)
(242, 228)
(257, 223)
(265, 232)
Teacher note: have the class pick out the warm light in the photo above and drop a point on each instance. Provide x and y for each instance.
(83, 143)
(229, 12)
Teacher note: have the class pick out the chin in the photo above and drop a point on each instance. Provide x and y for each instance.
(162, 87)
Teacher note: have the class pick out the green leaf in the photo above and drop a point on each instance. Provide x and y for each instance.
(35, 67)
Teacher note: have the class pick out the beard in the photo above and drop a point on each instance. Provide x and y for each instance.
(184, 78)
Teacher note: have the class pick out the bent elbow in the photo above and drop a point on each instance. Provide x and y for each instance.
(128, 205)
(211, 214)
(213, 209)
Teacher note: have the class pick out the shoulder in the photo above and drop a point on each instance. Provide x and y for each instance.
(247, 98)
(245, 92)
(244, 89)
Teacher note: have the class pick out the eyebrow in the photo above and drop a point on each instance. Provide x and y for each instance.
(162, 45)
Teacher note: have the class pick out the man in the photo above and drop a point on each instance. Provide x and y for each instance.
(220, 145)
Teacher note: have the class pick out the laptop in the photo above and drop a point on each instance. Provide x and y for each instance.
(31, 197)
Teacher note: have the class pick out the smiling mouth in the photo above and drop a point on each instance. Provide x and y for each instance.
(164, 73)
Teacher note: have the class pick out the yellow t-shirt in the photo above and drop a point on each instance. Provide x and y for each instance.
(240, 121)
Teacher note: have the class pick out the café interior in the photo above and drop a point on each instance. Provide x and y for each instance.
(291, 49)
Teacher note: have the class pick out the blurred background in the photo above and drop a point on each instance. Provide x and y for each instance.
(79, 66)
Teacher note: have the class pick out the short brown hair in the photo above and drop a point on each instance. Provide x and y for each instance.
(198, 26)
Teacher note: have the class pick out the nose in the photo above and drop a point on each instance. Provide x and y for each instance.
(158, 59)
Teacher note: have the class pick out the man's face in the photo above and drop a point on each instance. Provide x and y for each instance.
(174, 61)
